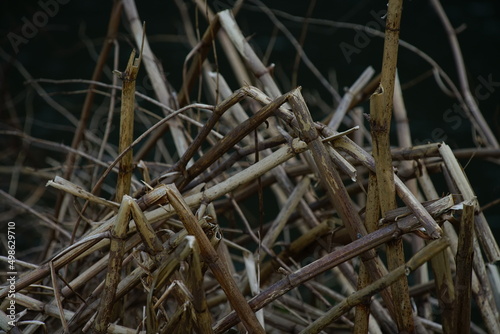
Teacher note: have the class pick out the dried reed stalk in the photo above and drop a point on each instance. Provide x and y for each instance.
(356, 298)
(462, 312)
(127, 125)
(381, 103)
(116, 252)
(160, 86)
(355, 248)
(332, 182)
(209, 255)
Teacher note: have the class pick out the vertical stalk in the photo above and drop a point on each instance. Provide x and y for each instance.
(371, 218)
(332, 182)
(211, 258)
(116, 251)
(127, 126)
(380, 118)
(462, 310)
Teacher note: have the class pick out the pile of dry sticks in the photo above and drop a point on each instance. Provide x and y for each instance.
(362, 240)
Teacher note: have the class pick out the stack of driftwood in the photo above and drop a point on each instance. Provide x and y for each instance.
(361, 240)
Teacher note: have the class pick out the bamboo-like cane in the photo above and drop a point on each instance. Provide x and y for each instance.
(431, 227)
(459, 184)
(417, 260)
(281, 219)
(127, 125)
(159, 83)
(462, 311)
(355, 248)
(156, 215)
(270, 87)
(381, 104)
(335, 188)
(58, 299)
(75, 190)
(483, 230)
(52, 310)
(232, 138)
(165, 263)
(442, 263)
(348, 98)
(371, 219)
(117, 250)
(211, 258)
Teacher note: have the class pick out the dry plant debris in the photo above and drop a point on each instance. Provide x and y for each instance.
(163, 254)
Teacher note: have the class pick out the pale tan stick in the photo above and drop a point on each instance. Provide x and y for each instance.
(52, 310)
(117, 250)
(372, 216)
(140, 138)
(462, 309)
(262, 73)
(204, 322)
(381, 103)
(155, 74)
(58, 298)
(417, 260)
(367, 322)
(335, 188)
(234, 33)
(445, 288)
(357, 137)
(355, 248)
(125, 166)
(250, 173)
(443, 263)
(176, 249)
(343, 107)
(279, 222)
(226, 143)
(483, 230)
(380, 115)
(209, 255)
(278, 172)
(404, 140)
(489, 313)
(296, 248)
(458, 183)
(219, 110)
(479, 290)
(347, 145)
(403, 130)
(167, 267)
(236, 111)
(239, 70)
